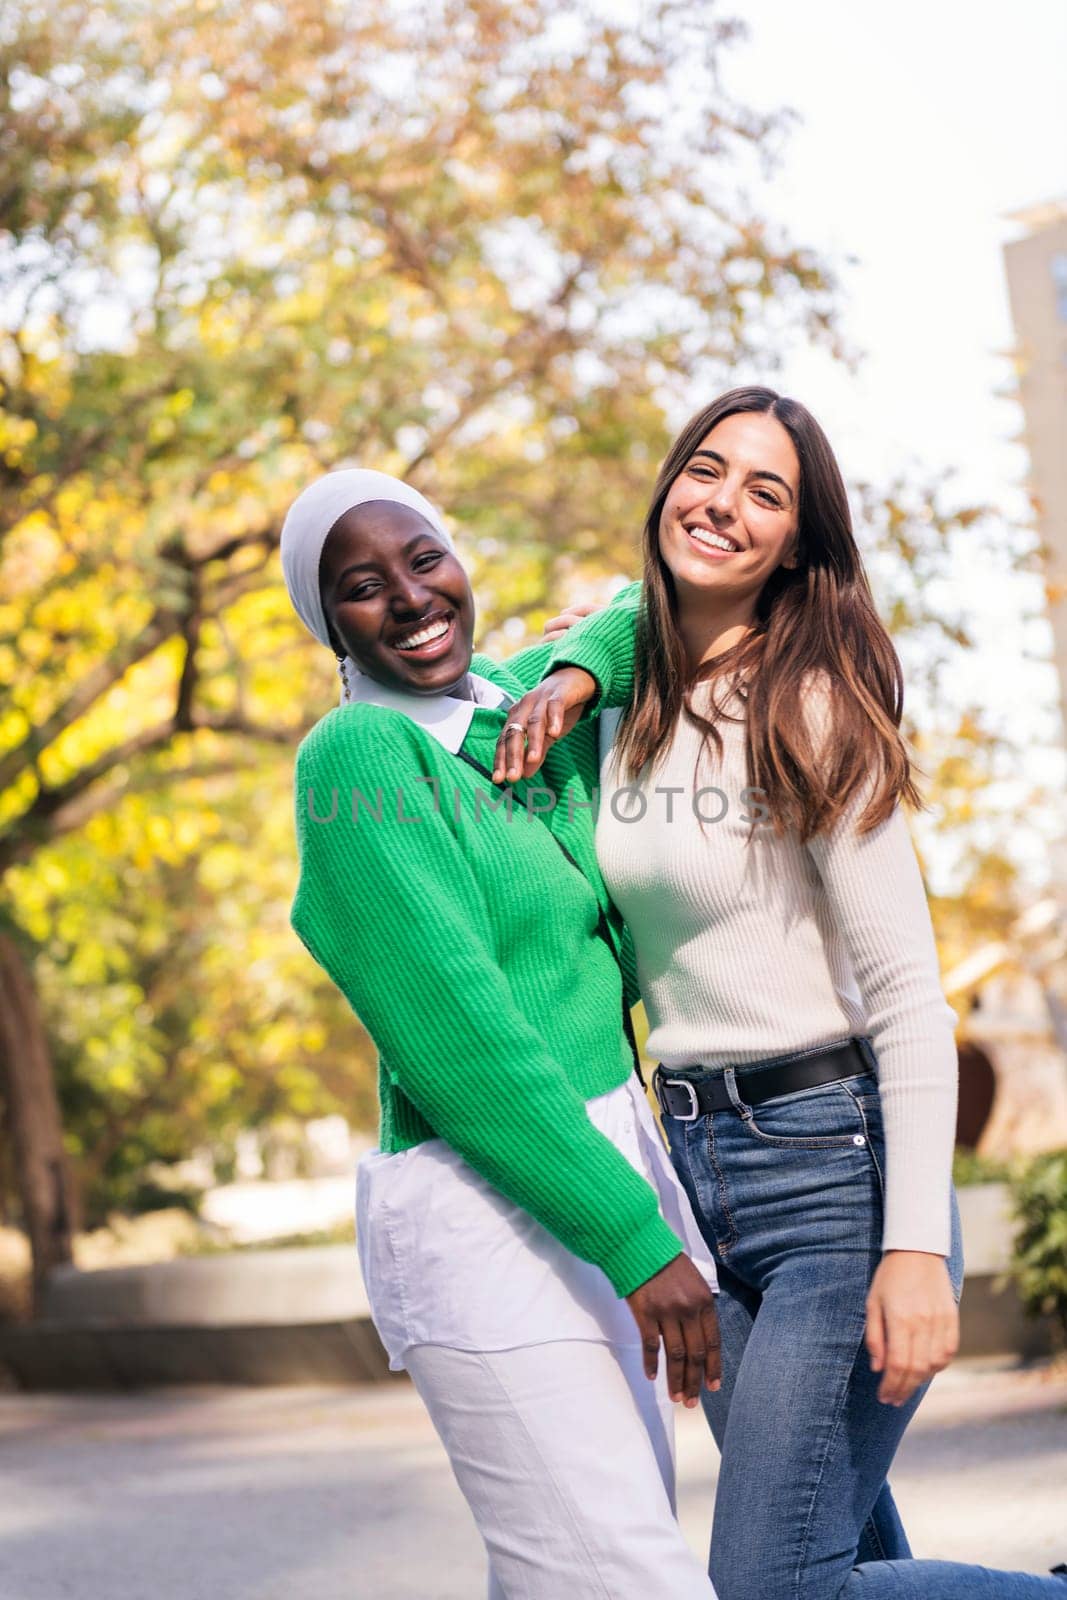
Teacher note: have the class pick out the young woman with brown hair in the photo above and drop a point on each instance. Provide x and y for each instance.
(750, 830)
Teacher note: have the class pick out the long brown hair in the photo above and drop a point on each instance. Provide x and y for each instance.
(816, 630)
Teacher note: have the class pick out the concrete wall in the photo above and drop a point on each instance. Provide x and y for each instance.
(255, 1316)
(300, 1316)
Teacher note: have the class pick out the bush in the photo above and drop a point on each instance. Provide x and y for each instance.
(969, 1167)
(1039, 1192)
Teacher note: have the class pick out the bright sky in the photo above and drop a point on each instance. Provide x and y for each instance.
(923, 125)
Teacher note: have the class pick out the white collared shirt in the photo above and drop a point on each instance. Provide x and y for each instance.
(446, 717)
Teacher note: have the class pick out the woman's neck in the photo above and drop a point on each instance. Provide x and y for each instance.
(709, 630)
(464, 689)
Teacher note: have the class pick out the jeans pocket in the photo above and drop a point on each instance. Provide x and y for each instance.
(815, 1119)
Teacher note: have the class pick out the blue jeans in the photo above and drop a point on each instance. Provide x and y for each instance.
(789, 1197)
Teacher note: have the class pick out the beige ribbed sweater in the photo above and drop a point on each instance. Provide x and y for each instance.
(752, 950)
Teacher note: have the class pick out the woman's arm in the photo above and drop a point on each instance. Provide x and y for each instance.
(876, 896)
(394, 914)
(528, 665)
(603, 646)
(589, 670)
(875, 891)
(606, 652)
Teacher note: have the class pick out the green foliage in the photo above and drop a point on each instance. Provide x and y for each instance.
(239, 250)
(341, 1233)
(148, 1195)
(968, 1167)
(1039, 1266)
(181, 1008)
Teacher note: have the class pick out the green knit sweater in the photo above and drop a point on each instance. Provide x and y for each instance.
(603, 645)
(467, 944)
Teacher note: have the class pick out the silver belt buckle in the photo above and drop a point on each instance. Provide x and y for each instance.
(680, 1083)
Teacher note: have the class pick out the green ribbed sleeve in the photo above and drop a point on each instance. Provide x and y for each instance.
(603, 645)
(527, 666)
(402, 918)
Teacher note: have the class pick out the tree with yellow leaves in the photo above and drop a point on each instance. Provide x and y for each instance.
(479, 244)
(493, 248)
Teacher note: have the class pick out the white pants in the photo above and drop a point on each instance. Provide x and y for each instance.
(565, 1455)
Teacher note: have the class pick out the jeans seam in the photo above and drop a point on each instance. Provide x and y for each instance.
(840, 1141)
(867, 1135)
(720, 1182)
(835, 1141)
(831, 1439)
(870, 1528)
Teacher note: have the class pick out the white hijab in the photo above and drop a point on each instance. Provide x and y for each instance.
(310, 518)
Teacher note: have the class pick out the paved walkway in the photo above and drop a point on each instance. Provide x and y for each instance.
(344, 1494)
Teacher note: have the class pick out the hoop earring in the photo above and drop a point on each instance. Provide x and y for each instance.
(343, 675)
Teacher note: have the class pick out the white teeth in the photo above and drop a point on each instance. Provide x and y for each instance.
(717, 541)
(414, 641)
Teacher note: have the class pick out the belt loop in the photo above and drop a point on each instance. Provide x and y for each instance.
(730, 1080)
(866, 1049)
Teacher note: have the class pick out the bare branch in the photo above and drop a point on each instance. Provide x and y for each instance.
(190, 674)
(24, 839)
(265, 538)
(231, 722)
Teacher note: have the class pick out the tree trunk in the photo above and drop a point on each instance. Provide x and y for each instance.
(41, 1165)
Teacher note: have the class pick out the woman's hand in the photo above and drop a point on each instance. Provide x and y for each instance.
(678, 1307)
(537, 720)
(556, 627)
(913, 1323)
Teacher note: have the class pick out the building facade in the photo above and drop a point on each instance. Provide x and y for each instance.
(1037, 285)
(1014, 1048)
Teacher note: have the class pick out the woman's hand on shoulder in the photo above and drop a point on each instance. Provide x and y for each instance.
(913, 1322)
(556, 627)
(537, 721)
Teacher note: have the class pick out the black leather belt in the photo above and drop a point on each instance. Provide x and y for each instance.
(685, 1100)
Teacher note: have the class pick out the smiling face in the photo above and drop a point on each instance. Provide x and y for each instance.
(730, 516)
(397, 598)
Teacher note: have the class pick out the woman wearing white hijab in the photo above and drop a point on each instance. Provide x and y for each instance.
(522, 1235)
